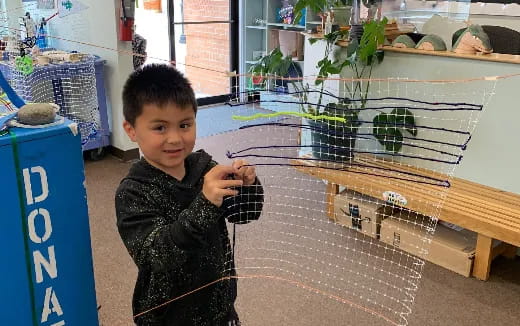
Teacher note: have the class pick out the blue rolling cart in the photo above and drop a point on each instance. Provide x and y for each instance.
(45, 249)
(53, 79)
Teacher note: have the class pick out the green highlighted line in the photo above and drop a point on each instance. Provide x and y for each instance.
(297, 114)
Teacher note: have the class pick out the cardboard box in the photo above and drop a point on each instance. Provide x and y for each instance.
(449, 248)
(358, 211)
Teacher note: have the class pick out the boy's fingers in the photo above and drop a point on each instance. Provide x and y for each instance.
(240, 174)
(222, 171)
(249, 171)
(237, 164)
(227, 192)
(229, 183)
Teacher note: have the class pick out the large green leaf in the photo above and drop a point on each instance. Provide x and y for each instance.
(387, 133)
(406, 117)
(324, 67)
(390, 137)
(373, 36)
(283, 67)
(334, 70)
(322, 62)
(394, 140)
(383, 120)
(352, 48)
(379, 126)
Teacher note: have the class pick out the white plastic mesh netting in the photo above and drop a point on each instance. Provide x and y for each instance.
(391, 157)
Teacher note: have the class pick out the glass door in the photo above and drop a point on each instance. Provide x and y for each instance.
(204, 45)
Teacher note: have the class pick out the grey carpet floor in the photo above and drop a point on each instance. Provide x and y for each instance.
(208, 116)
(442, 297)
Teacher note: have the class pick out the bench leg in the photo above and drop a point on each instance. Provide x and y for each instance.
(332, 190)
(483, 257)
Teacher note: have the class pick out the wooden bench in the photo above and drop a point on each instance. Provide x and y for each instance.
(491, 213)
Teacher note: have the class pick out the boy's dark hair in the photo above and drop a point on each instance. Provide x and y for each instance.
(158, 84)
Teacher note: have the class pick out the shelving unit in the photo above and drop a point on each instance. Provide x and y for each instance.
(256, 27)
(259, 32)
(286, 26)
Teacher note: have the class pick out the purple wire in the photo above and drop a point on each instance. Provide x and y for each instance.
(331, 132)
(419, 127)
(475, 107)
(457, 161)
(368, 138)
(357, 109)
(230, 156)
(442, 183)
(325, 92)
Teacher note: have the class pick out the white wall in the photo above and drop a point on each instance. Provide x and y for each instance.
(492, 156)
(14, 9)
(97, 27)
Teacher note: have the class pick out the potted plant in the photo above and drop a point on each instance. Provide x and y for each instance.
(339, 137)
(269, 70)
(270, 73)
(334, 140)
(339, 127)
(359, 57)
(341, 10)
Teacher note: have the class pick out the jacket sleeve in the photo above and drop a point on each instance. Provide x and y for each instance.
(246, 206)
(149, 240)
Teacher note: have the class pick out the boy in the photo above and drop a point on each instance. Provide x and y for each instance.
(172, 204)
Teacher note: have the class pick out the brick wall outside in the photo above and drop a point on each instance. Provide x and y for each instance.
(207, 46)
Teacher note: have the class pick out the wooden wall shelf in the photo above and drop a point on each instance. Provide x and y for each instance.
(494, 57)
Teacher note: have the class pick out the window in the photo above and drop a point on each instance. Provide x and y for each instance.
(417, 12)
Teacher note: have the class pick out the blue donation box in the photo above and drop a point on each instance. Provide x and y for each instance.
(46, 275)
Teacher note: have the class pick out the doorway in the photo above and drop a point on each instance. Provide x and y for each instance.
(200, 37)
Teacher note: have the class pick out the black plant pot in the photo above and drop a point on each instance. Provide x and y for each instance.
(333, 140)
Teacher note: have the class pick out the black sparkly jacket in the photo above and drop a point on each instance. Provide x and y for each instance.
(179, 241)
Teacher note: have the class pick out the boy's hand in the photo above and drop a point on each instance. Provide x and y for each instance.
(245, 173)
(216, 185)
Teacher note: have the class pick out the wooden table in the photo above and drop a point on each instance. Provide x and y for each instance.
(490, 212)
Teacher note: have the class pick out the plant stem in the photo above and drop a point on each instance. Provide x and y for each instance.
(364, 100)
(320, 98)
(348, 89)
(358, 82)
(328, 48)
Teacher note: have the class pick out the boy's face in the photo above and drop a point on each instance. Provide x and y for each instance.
(166, 136)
